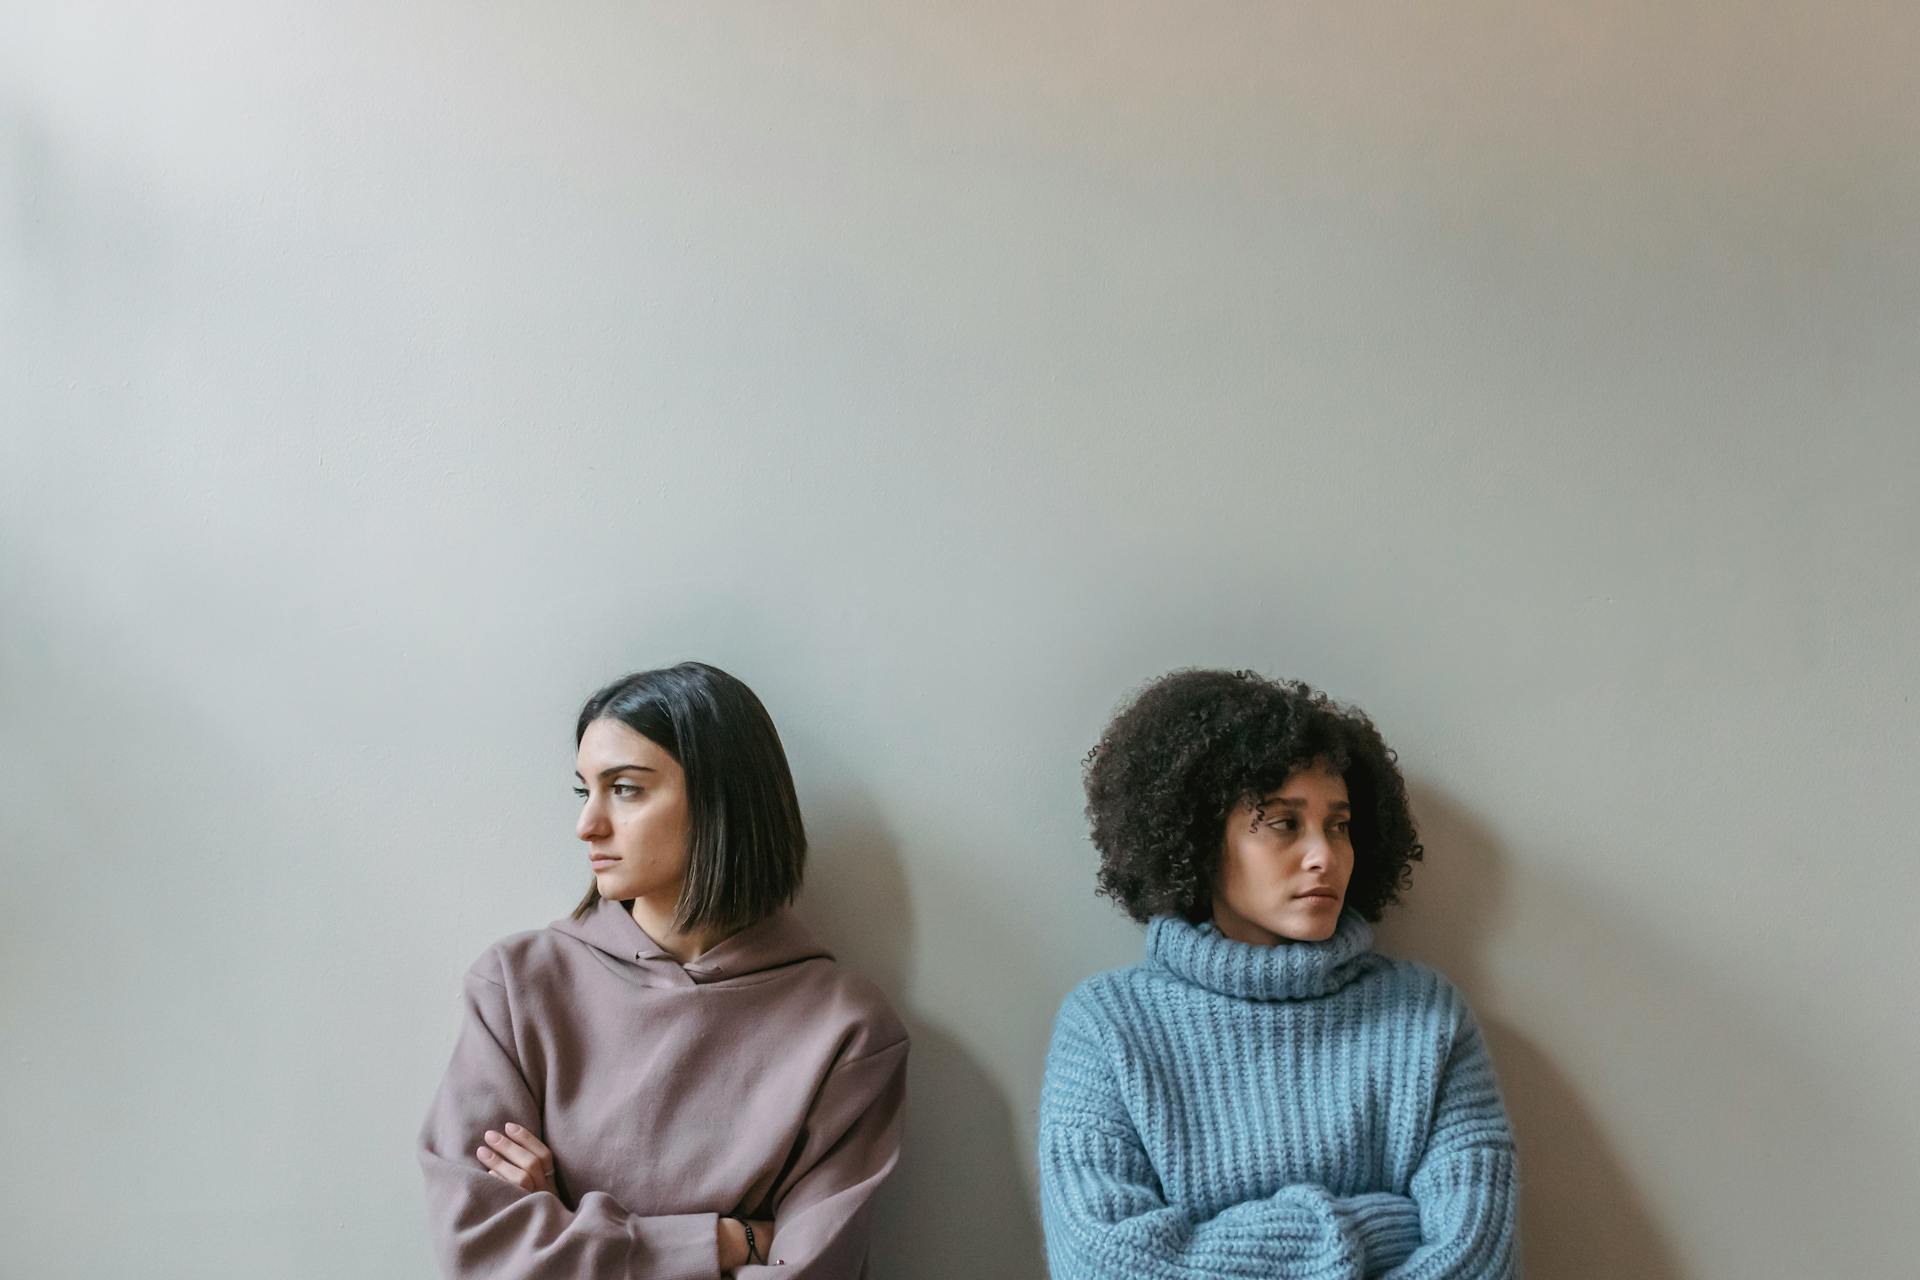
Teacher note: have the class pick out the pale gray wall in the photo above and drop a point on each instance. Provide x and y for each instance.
(381, 377)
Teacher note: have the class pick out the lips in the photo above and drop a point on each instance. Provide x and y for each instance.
(1317, 895)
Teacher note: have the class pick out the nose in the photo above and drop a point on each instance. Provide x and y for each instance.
(593, 821)
(1318, 855)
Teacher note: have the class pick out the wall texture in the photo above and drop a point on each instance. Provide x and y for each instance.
(378, 378)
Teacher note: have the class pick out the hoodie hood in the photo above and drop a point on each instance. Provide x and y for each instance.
(773, 943)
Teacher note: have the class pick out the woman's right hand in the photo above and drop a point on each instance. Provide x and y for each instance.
(733, 1242)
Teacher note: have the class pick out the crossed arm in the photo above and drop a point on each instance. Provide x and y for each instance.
(1464, 1185)
(498, 1213)
(516, 1155)
(1105, 1214)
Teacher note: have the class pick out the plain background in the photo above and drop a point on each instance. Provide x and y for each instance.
(380, 378)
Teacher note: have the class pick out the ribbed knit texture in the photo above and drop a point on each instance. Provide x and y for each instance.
(1300, 1110)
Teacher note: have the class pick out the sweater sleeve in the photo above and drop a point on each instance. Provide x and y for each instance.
(823, 1218)
(1464, 1184)
(483, 1226)
(1105, 1215)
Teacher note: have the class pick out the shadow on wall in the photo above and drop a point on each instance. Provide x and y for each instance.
(958, 1204)
(1580, 1214)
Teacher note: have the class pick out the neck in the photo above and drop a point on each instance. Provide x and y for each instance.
(1232, 924)
(1208, 957)
(657, 918)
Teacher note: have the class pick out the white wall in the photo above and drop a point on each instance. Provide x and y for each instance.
(380, 378)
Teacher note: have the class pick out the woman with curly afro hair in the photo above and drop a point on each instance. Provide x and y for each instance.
(1264, 1095)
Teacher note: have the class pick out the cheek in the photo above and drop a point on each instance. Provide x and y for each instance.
(661, 835)
(1229, 882)
(1253, 870)
(635, 832)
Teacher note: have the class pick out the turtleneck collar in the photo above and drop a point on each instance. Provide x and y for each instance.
(1202, 955)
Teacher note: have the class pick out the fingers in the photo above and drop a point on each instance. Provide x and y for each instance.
(531, 1141)
(505, 1170)
(514, 1163)
(503, 1145)
(518, 1158)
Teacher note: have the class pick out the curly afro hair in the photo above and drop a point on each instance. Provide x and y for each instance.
(1193, 744)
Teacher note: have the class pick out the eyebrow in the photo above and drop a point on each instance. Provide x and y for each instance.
(1287, 802)
(621, 768)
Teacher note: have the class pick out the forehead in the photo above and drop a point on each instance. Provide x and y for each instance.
(609, 742)
(1318, 781)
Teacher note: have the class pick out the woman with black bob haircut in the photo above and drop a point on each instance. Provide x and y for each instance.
(1265, 1095)
(676, 1080)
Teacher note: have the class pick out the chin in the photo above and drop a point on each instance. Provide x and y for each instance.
(1307, 924)
(613, 887)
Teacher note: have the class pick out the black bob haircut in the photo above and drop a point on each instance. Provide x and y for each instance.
(1192, 745)
(746, 845)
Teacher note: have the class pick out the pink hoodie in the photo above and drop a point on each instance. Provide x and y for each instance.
(761, 1080)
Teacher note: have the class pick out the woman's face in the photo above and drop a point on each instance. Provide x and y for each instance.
(1285, 865)
(634, 815)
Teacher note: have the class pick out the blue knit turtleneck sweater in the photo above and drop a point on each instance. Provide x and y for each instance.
(1310, 1109)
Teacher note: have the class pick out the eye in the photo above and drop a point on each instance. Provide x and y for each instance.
(581, 792)
(625, 790)
(1342, 828)
(1283, 824)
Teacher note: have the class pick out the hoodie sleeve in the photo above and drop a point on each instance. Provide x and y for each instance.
(821, 1223)
(483, 1227)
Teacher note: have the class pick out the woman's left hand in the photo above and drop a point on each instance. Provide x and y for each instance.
(518, 1158)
